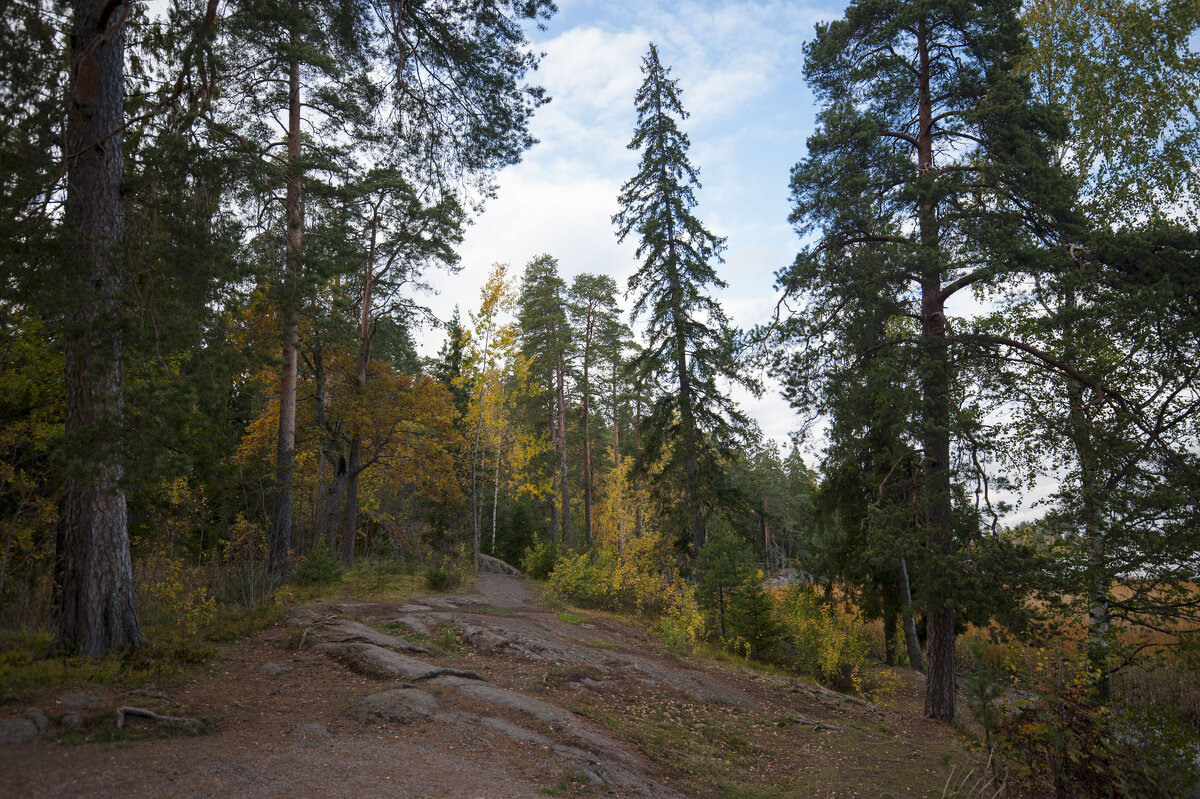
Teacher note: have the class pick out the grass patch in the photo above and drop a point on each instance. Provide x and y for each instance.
(26, 670)
(235, 624)
(103, 730)
(571, 618)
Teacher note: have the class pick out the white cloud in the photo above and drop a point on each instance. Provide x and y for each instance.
(739, 66)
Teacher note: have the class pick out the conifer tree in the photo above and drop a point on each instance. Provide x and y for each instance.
(929, 174)
(594, 315)
(546, 343)
(96, 570)
(690, 347)
(448, 368)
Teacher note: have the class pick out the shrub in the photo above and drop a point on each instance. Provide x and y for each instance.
(540, 560)
(440, 578)
(722, 569)
(821, 642)
(682, 624)
(172, 592)
(320, 567)
(1061, 741)
(612, 581)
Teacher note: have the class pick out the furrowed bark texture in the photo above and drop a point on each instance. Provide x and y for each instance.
(96, 573)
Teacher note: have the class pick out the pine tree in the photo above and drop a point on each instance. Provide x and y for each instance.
(546, 343)
(594, 316)
(691, 347)
(97, 573)
(929, 174)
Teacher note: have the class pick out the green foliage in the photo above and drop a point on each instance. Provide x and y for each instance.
(320, 567)
(516, 532)
(722, 569)
(1132, 152)
(540, 560)
(753, 623)
(689, 354)
(441, 578)
(819, 641)
(1062, 741)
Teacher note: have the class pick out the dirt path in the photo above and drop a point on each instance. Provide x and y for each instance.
(480, 694)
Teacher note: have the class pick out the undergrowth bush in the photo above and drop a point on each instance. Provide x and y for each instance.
(609, 581)
(320, 567)
(819, 641)
(539, 560)
(440, 578)
(1057, 739)
(172, 592)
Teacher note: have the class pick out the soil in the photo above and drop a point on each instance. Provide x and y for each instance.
(485, 693)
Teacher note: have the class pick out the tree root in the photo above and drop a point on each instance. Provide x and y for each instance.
(128, 710)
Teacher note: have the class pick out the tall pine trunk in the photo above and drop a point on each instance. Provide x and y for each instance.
(587, 443)
(616, 448)
(361, 365)
(564, 486)
(638, 511)
(912, 643)
(285, 453)
(935, 390)
(95, 568)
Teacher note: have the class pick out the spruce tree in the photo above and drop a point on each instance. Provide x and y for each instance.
(690, 348)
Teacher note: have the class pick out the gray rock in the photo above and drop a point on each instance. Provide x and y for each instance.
(274, 669)
(517, 733)
(71, 721)
(413, 623)
(398, 706)
(375, 661)
(17, 730)
(78, 702)
(344, 630)
(526, 704)
(490, 565)
(38, 717)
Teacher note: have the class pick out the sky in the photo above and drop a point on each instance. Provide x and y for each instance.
(739, 65)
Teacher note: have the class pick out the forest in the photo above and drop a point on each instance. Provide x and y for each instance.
(220, 223)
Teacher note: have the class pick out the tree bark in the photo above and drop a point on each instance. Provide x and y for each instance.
(912, 643)
(1099, 657)
(587, 434)
(285, 453)
(361, 365)
(495, 498)
(935, 390)
(564, 486)
(616, 448)
(96, 572)
(638, 512)
(889, 639)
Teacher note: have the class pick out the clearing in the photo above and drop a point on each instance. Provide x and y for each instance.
(485, 693)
